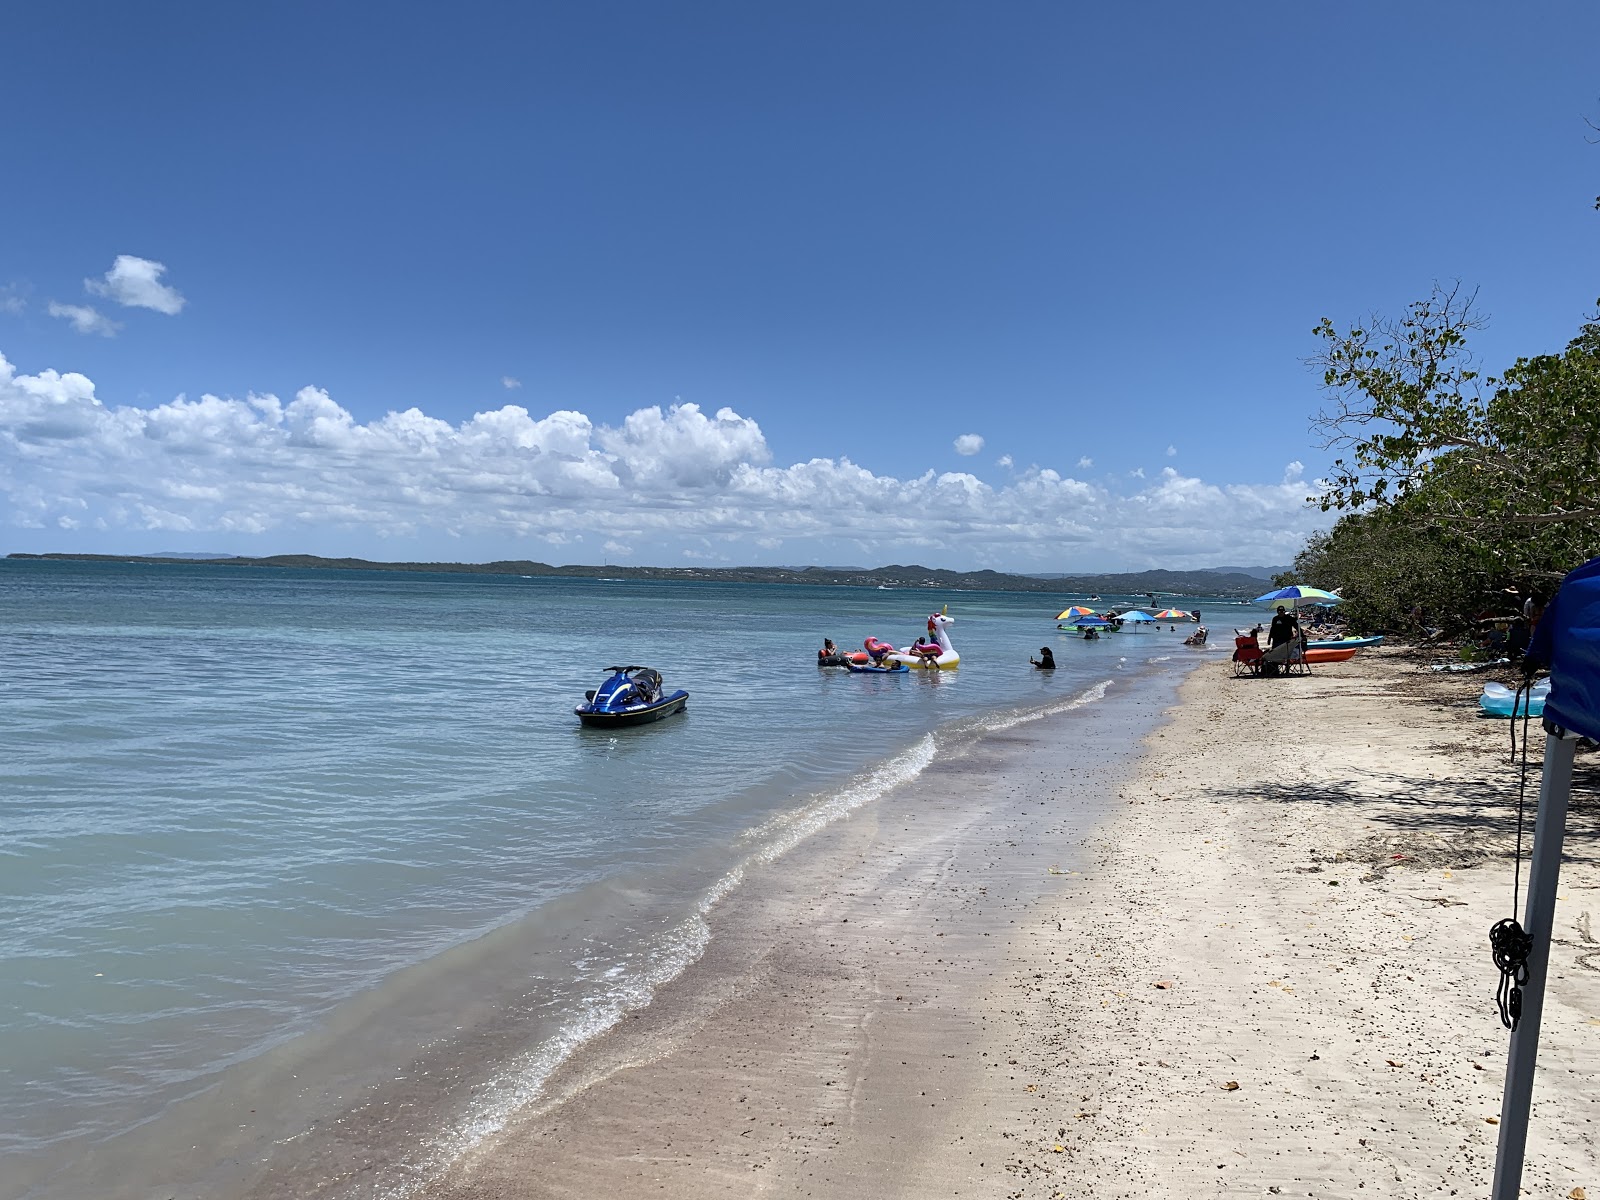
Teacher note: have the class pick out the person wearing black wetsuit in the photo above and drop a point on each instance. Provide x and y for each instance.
(1284, 628)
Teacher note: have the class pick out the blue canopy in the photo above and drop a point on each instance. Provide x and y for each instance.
(1133, 614)
(1567, 640)
(1091, 623)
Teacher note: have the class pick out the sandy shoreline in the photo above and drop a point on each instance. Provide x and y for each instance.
(935, 1003)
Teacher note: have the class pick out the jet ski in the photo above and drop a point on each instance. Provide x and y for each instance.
(631, 696)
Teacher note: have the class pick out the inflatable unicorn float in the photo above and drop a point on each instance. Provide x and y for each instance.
(932, 651)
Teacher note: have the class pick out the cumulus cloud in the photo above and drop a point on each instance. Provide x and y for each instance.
(1171, 451)
(968, 443)
(1137, 472)
(1004, 461)
(510, 382)
(1085, 463)
(85, 319)
(667, 479)
(135, 282)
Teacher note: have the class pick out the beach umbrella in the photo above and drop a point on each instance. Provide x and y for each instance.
(1091, 622)
(1172, 614)
(1073, 613)
(1137, 618)
(1295, 594)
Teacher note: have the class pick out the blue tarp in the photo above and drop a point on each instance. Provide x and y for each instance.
(1567, 640)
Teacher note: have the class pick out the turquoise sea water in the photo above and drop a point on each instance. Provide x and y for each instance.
(234, 798)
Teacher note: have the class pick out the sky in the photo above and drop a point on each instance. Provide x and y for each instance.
(1027, 286)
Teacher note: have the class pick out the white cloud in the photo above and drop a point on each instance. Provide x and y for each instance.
(510, 382)
(1085, 462)
(1137, 473)
(135, 282)
(1172, 451)
(85, 319)
(12, 301)
(1004, 461)
(968, 443)
(511, 482)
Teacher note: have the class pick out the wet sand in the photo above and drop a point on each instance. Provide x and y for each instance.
(1262, 970)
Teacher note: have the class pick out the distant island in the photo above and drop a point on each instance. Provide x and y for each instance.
(1186, 583)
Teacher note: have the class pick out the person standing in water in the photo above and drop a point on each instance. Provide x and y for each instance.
(1046, 660)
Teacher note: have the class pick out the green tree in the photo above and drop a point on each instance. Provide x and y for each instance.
(1507, 470)
(1385, 564)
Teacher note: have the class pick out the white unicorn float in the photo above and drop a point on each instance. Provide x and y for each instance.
(933, 652)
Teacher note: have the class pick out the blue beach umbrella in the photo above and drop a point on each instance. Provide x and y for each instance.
(1295, 594)
(1136, 618)
(1091, 623)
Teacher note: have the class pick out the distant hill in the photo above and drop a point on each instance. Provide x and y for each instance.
(1138, 583)
(1263, 573)
(186, 554)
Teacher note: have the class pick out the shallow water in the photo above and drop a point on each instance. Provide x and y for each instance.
(235, 798)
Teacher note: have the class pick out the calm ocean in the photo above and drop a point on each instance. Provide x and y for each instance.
(235, 798)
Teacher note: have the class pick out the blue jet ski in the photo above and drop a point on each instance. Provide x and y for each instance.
(632, 696)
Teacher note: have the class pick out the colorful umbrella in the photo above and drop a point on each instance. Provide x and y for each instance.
(1172, 614)
(1076, 611)
(1294, 594)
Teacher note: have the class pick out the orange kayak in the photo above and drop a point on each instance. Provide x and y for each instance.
(1328, 656)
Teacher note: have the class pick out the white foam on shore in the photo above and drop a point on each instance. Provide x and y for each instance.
(521, 1082)
(994, 724)
(625, 987)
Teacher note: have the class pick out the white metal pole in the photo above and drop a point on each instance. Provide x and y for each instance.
(1539, 924)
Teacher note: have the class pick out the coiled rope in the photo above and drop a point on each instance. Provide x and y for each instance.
(1508, 941)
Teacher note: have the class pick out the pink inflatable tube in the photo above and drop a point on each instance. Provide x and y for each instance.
(876, 648)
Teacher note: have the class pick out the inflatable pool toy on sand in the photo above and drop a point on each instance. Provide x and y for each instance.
(934, 653)
(1497, 700)
(1349, 643)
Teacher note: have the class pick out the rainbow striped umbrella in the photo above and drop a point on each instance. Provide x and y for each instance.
(1073, 613)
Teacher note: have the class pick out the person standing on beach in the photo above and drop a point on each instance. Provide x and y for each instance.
(1284, 628)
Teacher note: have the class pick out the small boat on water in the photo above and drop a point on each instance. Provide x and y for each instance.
(631, 696)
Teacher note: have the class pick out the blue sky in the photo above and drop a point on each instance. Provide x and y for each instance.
(1094, 238)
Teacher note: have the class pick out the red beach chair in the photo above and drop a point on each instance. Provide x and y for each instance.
(1246, 654)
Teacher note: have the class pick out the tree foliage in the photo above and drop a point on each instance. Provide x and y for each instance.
(1386, 566)
(1418, 422)
(1455, 485)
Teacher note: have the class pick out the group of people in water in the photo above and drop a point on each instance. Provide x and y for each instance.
(831, 655)
(876, 651)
